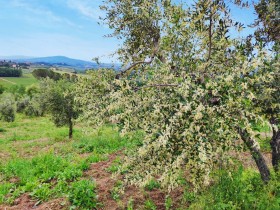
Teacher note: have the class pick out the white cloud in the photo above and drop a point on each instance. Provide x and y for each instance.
(86, 8)
(45, 13)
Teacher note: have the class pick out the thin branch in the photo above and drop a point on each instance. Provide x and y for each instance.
(210, 36)
(155, 51)
(156, 85)
(132, 66)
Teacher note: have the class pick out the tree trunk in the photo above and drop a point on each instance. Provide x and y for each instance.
(257, 155)
(275, 149)
(70, 128)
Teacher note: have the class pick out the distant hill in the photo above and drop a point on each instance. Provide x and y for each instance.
(62, 61)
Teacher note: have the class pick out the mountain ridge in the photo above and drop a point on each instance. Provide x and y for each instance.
(62, 61)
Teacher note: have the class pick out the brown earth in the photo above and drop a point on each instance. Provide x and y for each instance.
(106, 182)
(25, 202)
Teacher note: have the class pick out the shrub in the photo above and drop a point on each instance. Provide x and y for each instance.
(22, 104)
(7, 108)
(32, 90)
(35, 107)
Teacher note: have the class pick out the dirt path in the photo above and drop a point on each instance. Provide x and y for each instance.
(8, 81)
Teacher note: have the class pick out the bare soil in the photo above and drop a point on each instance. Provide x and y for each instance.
(25, 202)
(106, 182)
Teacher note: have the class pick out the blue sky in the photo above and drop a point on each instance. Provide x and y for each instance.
(61, 27)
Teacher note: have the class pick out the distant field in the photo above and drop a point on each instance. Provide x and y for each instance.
(25, 80)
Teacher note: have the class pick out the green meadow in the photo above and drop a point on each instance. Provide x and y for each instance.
(25, 80)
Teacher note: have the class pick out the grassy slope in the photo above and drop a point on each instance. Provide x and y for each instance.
(33, 152)
(38, 159)
(25, 80)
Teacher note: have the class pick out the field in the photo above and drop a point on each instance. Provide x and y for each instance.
(25, 80)
(40, 167)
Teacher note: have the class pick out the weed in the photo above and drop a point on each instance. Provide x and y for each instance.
(42, 192)
(115, 166)
(150, 205)
(153, 184)
(82, 194)
(117, 190)
(130, 204)
(240, 190)
(5, 188)
(168, 203)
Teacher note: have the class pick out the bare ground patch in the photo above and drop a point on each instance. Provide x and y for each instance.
(25, 202)
(106, 182)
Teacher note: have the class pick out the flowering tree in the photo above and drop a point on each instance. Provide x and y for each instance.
(191, 92)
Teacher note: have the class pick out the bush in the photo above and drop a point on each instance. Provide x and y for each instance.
(7, 107)
(22, 104)
(17, 90)
(35, 107)
(32, 90)
(82, 194)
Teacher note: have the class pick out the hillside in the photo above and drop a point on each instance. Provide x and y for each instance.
(61, 61)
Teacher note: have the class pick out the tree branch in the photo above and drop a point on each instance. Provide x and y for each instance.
(156, 85)
(132, 66)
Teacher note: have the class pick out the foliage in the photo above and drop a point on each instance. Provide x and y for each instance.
(32, 90)
(191, 99)
(10, 72)
(58, 97)
(240, 190)
(153, 184)
(46, 73)
(268, 21)
(7, 107)
(82, 194)
(22, 103)
(35, 106)
(17, 90)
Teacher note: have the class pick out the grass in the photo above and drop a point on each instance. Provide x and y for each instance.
(25, 80)
(40, 160)
(243, 189)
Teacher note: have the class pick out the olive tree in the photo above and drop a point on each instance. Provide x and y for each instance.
(268, 92)
(58, 97)
(7, 107)
(192, 97)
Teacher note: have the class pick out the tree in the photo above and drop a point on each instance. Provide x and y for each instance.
(7, 107)
(59, 100)
(268, 93)
(192, 105)
(46, 73)
(268, 21)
